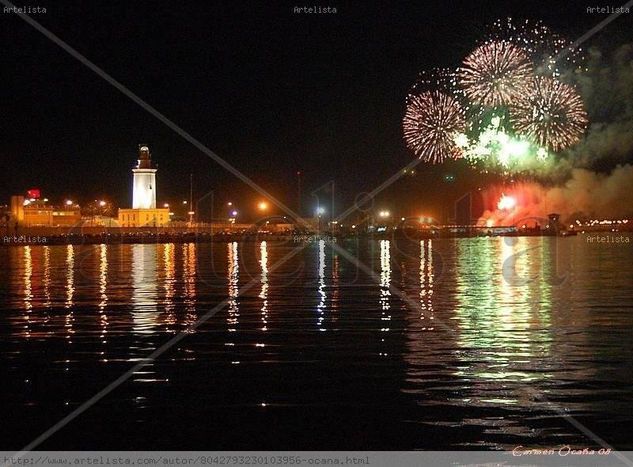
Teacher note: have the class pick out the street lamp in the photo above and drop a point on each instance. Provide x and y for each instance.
(263, 206)
(384, 214)
(69, 202)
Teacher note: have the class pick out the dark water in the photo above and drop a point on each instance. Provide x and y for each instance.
(453, 344)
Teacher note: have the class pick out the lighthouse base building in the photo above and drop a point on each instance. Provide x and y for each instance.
(144, 212)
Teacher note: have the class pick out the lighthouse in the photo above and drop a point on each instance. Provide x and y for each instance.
(144, 212)
(144, 185)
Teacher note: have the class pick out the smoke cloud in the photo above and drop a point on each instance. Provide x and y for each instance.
(595, 178)
(607, 89)
(585, 195)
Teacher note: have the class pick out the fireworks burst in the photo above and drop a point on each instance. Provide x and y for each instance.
(495, 74)
(495, 147)
(506, 109)
(549, 52)
(551, 113)
(432, 122)
(506, 203)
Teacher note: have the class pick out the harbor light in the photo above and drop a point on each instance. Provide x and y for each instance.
(263, 205)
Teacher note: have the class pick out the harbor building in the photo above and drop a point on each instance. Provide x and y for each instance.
(144, 212)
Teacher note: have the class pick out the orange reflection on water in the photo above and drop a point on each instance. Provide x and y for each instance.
(70, 291)
(28, 288)
(46, 282)
(103, 276)
(426, 282)
(189, 279)
(233, 274)
(169, 276)
(70, 275)
(103, 287)
(263, 294)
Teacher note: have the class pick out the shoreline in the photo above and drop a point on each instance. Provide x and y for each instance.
(206, 237)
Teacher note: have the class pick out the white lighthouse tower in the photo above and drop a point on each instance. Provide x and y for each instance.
(144, 188)
(144, 212)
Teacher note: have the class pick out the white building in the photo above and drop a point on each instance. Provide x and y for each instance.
(144, 212)
(144, 189)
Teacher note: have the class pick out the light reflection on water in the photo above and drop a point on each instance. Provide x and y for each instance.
(321, 306)
(502, 327)
(144, 289)
(263, 294)
(233, 315)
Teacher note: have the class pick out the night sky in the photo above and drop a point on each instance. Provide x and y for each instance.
(270, 91)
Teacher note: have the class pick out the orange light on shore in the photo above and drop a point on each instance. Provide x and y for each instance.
(263, 206)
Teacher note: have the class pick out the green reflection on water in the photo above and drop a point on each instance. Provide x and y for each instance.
(503, 309)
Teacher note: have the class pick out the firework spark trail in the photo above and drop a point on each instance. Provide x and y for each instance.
(432, 122)
(547, 49)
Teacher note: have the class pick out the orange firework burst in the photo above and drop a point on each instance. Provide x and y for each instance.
(552, 113)
(431, 124)
(495, 73)
(506, 202)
